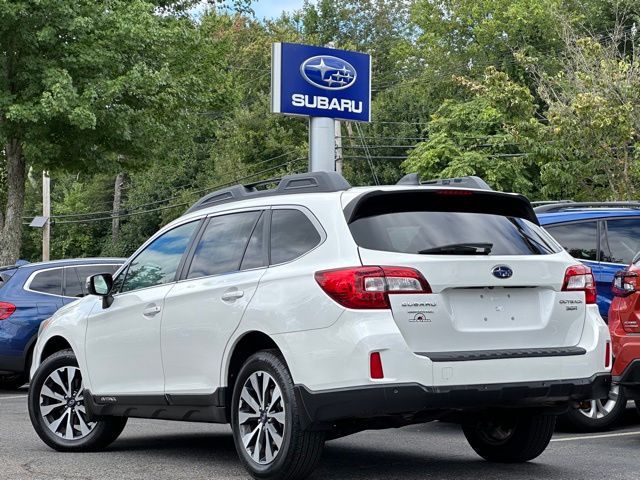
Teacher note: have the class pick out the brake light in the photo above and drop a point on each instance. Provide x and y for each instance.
(624, 283)
(375, 366)
(455, 193)
(6, 310)
(370, 287)
(578, 278)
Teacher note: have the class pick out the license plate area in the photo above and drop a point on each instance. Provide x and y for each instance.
(481, 309)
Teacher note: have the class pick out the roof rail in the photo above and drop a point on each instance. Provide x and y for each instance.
(461, 182)
(567, 205)
(315, 182)
(539, 203)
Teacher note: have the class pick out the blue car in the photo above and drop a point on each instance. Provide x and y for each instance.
(31, 293)
(603, 235)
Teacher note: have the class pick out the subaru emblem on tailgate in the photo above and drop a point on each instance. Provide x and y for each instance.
(502, 271)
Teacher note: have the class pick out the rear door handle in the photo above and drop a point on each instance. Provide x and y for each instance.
(231, 295)
(151, 310)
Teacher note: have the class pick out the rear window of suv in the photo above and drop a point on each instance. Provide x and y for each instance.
(450, 232)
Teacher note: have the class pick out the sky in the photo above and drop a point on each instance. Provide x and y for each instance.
(273, 8)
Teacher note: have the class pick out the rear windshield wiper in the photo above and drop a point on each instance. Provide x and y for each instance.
(460, 249)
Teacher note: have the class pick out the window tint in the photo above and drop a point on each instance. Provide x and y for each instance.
(622, 241)
(418, 231)
(292, 235)
(76, 278)
(256, 255)
(157, 264)
(48, 281)
(222, 244)
(72, 285)
(579, 239)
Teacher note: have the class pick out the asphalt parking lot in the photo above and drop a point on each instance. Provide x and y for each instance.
(151, 449)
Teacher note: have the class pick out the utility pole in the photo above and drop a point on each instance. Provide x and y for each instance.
(46, 213)
(117, 200)
(339, 158)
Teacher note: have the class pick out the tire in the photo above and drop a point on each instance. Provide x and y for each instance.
(12, 382)
(597, 415)
(515, 439)
(56, 408)
(299, 450)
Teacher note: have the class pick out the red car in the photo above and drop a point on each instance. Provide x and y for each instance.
(624, 324)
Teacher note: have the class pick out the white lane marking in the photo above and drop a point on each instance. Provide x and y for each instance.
(11, 398)
(591, 437)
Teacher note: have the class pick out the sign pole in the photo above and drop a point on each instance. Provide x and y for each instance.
(322, 144)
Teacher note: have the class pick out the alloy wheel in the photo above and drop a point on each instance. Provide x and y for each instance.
(596, 409)
(261, 417)
(62, 404)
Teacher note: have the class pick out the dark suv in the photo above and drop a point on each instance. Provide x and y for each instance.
(30, 293)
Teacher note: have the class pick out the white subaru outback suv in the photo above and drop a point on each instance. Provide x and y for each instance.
(315, 310)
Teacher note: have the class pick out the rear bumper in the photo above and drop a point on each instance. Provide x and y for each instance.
(630, 380)
(388, 400)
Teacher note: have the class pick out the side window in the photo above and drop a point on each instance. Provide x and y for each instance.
(76, 278)
(255, 256)
(48, 281)
(158, 262)
(72, 284)
(579, 239)
(622, 241)
(222, 244)
(292, 235)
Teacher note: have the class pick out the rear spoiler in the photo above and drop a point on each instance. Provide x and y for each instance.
(380, 202)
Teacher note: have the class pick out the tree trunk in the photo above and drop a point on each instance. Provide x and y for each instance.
(11, 218)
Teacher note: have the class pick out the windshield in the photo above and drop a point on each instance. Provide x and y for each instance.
(451, 233)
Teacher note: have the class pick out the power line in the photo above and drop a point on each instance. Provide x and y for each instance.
(136, 207)
(181, 204)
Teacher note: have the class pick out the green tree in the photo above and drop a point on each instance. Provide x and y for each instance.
(486, 134)
(593, 120)
(84, 85)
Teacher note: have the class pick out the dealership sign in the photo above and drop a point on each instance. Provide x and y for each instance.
(320, 82)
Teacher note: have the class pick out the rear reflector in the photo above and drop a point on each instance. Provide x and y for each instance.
(607, 355)
(6, 310)
(375, 366)
(579, 278)
(370, 287)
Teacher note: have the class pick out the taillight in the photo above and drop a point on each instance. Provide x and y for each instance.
(375, 366)
(369, 287)
(624, 283)
(579, 278)
(6, 310)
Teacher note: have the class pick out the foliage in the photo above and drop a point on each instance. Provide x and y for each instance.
(484, 135)
(536, 96)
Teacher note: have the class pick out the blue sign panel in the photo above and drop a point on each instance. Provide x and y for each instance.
(320, 82)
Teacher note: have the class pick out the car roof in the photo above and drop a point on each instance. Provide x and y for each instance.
(573, 214)
(68, 262)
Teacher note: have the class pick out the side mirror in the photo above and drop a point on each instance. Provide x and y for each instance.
(101, 284)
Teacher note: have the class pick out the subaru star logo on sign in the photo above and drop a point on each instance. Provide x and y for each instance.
(330, 73)
(502, 271)
(320, 82)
